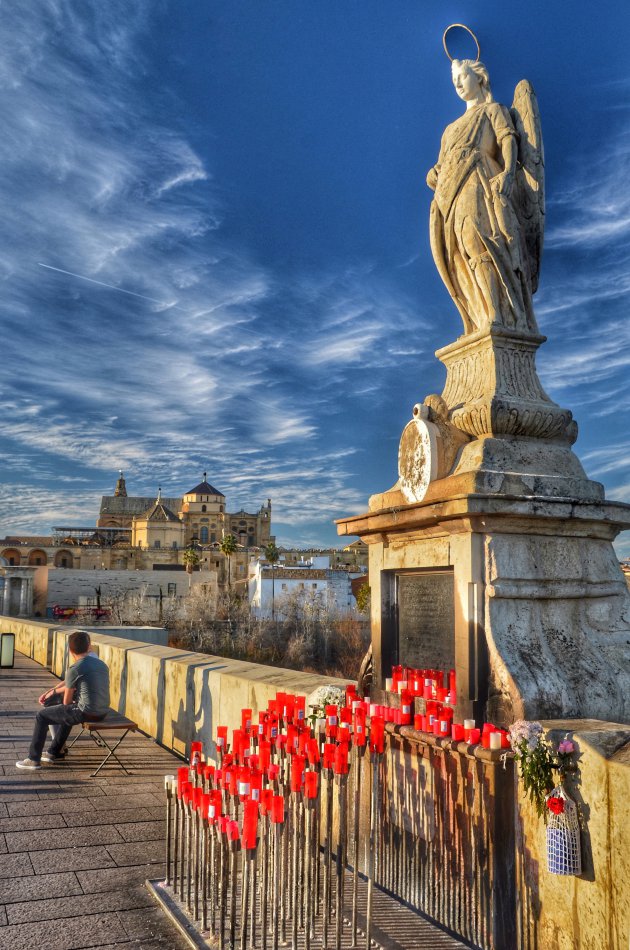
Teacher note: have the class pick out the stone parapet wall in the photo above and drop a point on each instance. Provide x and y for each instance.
(174, 695)
(590, 912)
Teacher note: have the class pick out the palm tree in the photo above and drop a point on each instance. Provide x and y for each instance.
(228, 547)
(191, 559)
(272, 554)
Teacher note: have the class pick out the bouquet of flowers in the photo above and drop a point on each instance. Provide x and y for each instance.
(325, 696)
(535, 761)
(537, 765)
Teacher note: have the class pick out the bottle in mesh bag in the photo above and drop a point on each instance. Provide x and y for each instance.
(563, 834)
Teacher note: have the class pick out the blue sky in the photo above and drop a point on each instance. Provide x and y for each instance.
(216, 252)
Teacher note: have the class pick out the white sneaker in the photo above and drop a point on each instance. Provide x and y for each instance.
(49, 757)
(28, 764)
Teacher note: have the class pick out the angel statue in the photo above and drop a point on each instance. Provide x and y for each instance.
(487, 214)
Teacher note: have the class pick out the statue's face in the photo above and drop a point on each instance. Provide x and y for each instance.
(466, 83)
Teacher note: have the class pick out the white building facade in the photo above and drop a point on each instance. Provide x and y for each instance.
(272, 585)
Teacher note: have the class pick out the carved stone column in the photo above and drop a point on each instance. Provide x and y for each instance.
(26, 601)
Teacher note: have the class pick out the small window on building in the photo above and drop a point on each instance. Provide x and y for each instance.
(203, 534)
(171, 590)
(174, 545)
(213, 538)
(314, 586)
(284, 587)
(203, 508)
(156, 544)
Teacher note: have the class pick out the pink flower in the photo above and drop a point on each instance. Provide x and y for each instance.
(566, 747)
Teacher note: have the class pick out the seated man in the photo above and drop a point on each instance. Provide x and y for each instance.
(85, 698)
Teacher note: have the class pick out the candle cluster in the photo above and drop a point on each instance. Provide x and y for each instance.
(437, 691)
(261, 798)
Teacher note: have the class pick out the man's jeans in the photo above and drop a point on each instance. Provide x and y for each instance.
(62, 719)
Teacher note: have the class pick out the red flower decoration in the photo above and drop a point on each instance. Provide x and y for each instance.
(555, 804)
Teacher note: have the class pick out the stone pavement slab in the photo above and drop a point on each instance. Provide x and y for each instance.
(142, 830)
(15, 865)
(70, 859)
(78, 933)
(40, 886)
(106, 879)
(75, 851)
(78, 906)
(39, 840)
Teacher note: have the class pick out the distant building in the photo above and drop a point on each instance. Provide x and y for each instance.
(140, 533)
(201, 511)
(313, 580)
(353, 557)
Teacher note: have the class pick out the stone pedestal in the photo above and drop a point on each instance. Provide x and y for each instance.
(541, 610)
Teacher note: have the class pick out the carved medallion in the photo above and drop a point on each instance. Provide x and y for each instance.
(418, 456)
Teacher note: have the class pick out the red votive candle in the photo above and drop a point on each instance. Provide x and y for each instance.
(244, 783)
(277, 809)
(344, 734)
(332, 720)
(298, 764)
(232, 831)
(340, 764)
(264, 753)
(266, 801)
(312, 750)
(182, 778)
(197, 797)
(310, 784)
(292, 738)
(289, 706)
(417, 722)
(195, 753)
(405, 707)
(246, 719)
(250, 825)
(329, 755)
(359, 726)
(457, 732)
(474, 736)
(281, 701)
(300, 708)
(222, 737)
(377, 735)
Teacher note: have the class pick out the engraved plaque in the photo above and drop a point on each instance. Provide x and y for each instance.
(426, 620)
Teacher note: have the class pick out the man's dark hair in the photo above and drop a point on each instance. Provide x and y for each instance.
(79, 642)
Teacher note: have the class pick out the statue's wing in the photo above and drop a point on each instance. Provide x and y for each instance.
(529, 186)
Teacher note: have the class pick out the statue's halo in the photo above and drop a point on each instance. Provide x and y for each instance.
(462, 26)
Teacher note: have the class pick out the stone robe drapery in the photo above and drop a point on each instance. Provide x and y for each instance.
(476, 237)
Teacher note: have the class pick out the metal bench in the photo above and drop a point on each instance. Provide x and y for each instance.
(113, 722)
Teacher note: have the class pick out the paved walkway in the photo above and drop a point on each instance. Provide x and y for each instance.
(75, 851)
